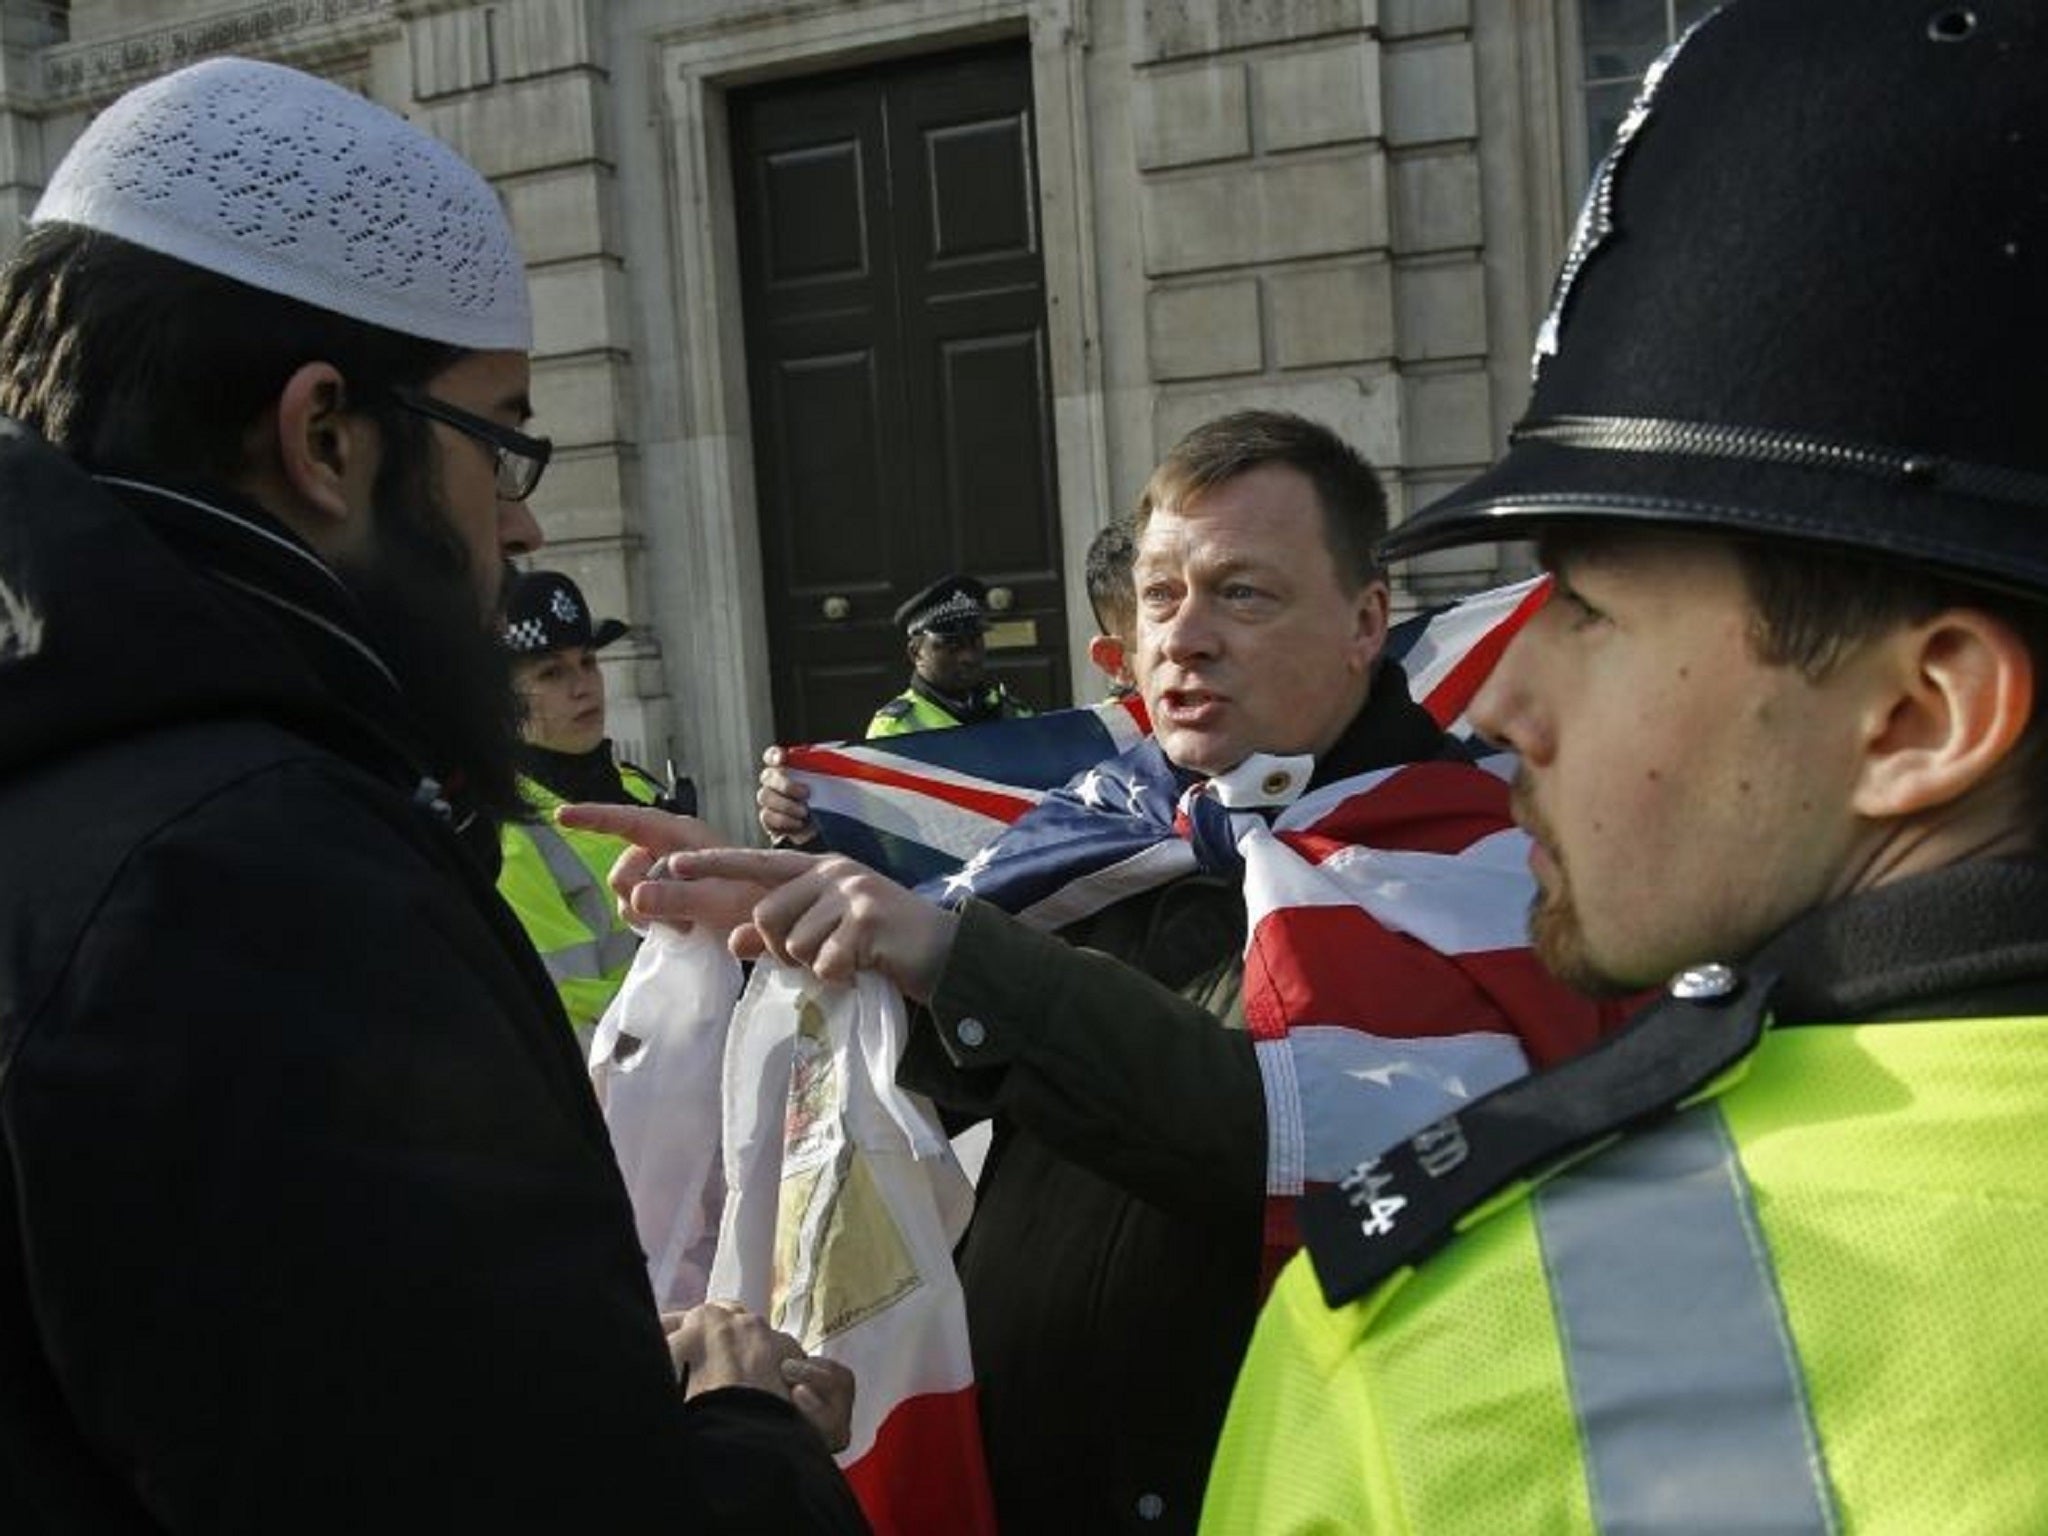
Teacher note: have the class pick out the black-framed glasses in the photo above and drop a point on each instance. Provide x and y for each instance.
(517, 458)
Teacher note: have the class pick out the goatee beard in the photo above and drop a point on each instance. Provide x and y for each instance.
(419, 598)
(1555, 931)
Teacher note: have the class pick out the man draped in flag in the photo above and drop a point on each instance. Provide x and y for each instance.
(1298, 907)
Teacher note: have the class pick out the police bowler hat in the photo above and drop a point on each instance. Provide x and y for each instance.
(952, 605)
(1807, 298)
(545, 611)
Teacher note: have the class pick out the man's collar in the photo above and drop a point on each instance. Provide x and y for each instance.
(1969, 940)
(1389, 729)
(966, 708)
(241, 544)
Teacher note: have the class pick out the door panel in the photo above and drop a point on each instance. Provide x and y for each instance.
(983, 203)
(828, 471)
(816, 228)
(895, 319)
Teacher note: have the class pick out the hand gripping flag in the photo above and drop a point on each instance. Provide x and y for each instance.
(845, 1205)
(771, 1158)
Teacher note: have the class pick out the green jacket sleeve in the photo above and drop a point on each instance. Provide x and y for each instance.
(1121, 1074)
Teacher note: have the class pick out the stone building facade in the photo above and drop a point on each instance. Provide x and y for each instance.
(1349, 208)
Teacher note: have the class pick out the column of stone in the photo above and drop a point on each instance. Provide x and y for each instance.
(522, 88)
(1440, 312)
(25, 31)
(1313, 232)
(1263, 206)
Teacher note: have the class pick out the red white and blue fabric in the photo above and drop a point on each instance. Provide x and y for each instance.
(1447, 652)
(917, 807)
(1387, 976)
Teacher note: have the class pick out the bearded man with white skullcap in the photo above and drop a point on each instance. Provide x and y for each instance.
(310, 1222)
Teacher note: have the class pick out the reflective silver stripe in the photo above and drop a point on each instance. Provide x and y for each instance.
(573, 962)
(617, 947)
(609, 947)
(1690, 1401)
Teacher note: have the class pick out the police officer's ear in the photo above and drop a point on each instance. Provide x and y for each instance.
(1949, 700)
(311, 461)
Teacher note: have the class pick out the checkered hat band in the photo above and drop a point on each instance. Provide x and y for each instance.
(527, 636)
(958, 605)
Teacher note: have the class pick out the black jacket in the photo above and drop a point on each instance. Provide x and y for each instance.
(1112, 1267)
(308, 1221)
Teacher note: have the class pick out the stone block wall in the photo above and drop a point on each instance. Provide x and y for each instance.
(1341, 207)
(523, 89)
(1312, 228)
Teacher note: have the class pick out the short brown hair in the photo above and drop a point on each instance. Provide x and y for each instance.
(133, 362)
(1110, 554)
(1813, 606)
(1354, 506)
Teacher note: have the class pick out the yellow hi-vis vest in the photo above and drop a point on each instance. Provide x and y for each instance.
(1812, 1301)
(554, 878)
(910, 712)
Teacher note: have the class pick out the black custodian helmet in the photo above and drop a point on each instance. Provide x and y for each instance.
(1807, 298)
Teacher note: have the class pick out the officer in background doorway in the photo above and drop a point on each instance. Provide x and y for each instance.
(554, 877)
(947, 626)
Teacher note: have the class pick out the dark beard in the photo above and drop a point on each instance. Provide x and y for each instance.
(1555, 932)
(418, 596)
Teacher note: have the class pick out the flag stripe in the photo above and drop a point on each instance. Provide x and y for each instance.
(1091, 893)
(1438, 807)
(1448, 699)
(914, 815)
(1335, 965)
(924, 1473)
(1553, 1023)
(1454, 904)
(1361, 1092)
(842, 765)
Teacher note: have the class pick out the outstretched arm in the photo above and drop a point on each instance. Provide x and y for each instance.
(828, 914)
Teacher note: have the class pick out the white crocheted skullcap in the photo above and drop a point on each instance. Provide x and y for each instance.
(291, 184)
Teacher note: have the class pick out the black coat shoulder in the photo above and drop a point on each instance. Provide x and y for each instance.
(296, 1155)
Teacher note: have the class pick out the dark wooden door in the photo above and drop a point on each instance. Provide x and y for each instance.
(895, 317)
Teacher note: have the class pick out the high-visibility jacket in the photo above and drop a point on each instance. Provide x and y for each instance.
(914, 710)
(555, 879)
(1809, 1302)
